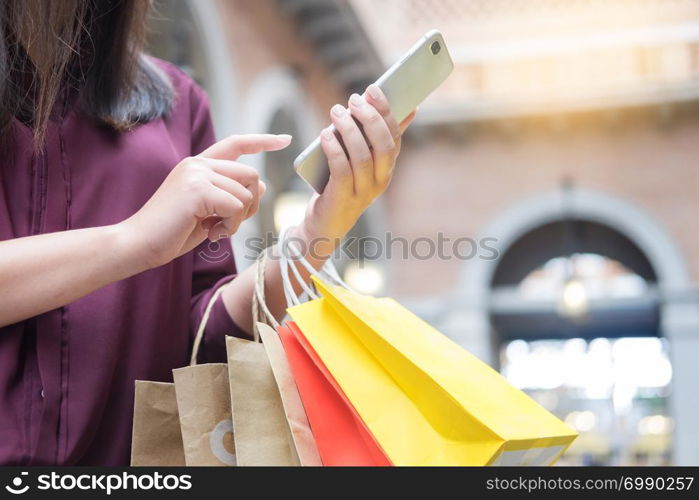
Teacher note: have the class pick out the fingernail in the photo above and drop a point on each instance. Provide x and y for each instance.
(357, 100)
(374, 91)
(338, 110)
(286, 137)
(327, 134)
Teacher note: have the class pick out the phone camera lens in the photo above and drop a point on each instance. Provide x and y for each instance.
(435, 48)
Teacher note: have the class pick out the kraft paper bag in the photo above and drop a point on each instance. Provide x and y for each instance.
(262, 435)
(189, 421)
(204, 407)
(304, 442)
(425, 399)
(341, 436)
(156, 438)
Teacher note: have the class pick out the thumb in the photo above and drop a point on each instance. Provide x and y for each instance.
(234, 146)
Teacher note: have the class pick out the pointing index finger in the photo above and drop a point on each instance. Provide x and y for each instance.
(234, 146)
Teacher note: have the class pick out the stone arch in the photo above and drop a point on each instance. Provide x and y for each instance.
(679, 308)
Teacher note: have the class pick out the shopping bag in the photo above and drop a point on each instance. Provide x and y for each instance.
(425, 400)
(187, 422)
(301, 434)
(302, 438)
(156, 438)
(341, 436)
(262, 435)
(204, 407)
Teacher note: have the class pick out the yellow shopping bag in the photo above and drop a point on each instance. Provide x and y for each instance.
(426, 400)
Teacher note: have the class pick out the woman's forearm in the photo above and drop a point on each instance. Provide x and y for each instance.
(43, 272)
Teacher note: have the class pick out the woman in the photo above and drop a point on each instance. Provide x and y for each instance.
(111, 194)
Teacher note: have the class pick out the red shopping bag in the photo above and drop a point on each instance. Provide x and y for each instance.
(341, 436)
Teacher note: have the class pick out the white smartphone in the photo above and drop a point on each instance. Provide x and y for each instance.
(406, 84)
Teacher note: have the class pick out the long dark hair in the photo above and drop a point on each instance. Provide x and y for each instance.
(94, 47)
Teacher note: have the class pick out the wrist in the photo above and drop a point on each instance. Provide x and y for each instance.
(132, 255)
(316, 247)
(323, 232)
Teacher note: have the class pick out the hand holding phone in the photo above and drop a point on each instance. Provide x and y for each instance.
(405, 84)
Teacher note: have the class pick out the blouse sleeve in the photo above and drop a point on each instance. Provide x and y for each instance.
(214, 264)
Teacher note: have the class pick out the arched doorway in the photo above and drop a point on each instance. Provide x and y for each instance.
(614, 230)
(574, 278)
(574, 312)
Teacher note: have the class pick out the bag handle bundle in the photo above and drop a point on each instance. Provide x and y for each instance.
(289, 256)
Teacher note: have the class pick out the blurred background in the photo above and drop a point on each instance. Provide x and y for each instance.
(568, 135)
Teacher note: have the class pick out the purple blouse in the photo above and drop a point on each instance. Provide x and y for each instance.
(67, 376)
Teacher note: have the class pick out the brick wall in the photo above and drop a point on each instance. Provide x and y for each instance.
(456, 180)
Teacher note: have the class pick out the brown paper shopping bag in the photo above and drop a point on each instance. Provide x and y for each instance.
(156, 439)
(204, 406)
(300, 430)
(187, 422)
(262, 435)
(297, 421)
(190, 422)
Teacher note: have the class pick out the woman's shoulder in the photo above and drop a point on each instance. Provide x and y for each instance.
(186, 90)
(190, 116)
